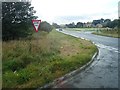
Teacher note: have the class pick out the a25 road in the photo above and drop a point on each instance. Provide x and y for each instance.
(103, 72)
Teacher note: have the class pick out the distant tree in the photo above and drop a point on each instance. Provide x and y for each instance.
(112, 24)
(71, 25)
(45, 26)
(106, 22)
(16, 19)
(55, 25)
(79, 24)
(100, 21)
(119, 24)
(95, 22)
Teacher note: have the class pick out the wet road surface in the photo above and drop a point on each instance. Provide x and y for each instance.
(103, 72)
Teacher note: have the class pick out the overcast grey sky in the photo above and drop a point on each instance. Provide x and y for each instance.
(67, 11)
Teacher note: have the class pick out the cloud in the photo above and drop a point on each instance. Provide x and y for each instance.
(63, 11)
(69, 19)
(84, 17)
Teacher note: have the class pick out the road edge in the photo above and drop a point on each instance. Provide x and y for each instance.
(69, 75)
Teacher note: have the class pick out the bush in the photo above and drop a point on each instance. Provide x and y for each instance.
(18, 63)
(27, 59)
(13, 65)
(9, 79)
(44, 26)
(23, 76)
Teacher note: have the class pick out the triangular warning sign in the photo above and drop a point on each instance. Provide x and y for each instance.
(36, 24)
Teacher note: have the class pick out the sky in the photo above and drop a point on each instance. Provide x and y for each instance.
(68, 11)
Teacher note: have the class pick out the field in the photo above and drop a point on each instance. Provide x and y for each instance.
(38, 60)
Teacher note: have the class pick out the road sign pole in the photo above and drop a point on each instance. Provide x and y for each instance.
(36, 25)
(36, 43)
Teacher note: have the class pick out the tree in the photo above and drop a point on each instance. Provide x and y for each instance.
(45, 26)
(106, 22)
(55, 25)
(16, 19)
(113, 24)
(79, 24)
(71, 25)
(119, 23)
(100, 21)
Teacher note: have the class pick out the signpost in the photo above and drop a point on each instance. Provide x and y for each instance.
(36, 24)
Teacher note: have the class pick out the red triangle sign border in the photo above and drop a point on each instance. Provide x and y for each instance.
(36, 29)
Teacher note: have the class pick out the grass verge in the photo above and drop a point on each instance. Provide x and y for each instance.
(45, 57)
(109, 33)
(83, 29)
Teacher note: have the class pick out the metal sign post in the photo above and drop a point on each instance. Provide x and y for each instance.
(36, 25)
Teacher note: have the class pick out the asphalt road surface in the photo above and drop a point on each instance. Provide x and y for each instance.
(103, 72)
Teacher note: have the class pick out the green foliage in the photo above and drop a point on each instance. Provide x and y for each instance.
(71, 25)
(44, 26)
(112, 24)
(16, 19)
(23, 76)
(79, 24)
(100, 21)
(9, 79)
(18, 62)
(119, 23)
(13, 65)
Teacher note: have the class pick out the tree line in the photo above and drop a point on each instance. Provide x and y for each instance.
(95, 23)
(17, 20)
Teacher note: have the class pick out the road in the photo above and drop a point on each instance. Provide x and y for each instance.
(103, 72)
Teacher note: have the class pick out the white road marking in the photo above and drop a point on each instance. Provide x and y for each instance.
(108, 47)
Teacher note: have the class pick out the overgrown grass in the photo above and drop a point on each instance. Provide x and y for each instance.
(109, 33)
(0, 64)
(33, 63)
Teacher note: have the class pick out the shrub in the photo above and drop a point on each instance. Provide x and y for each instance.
(45, 27)
(9, 79)
(23, 76)
(13, 65)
